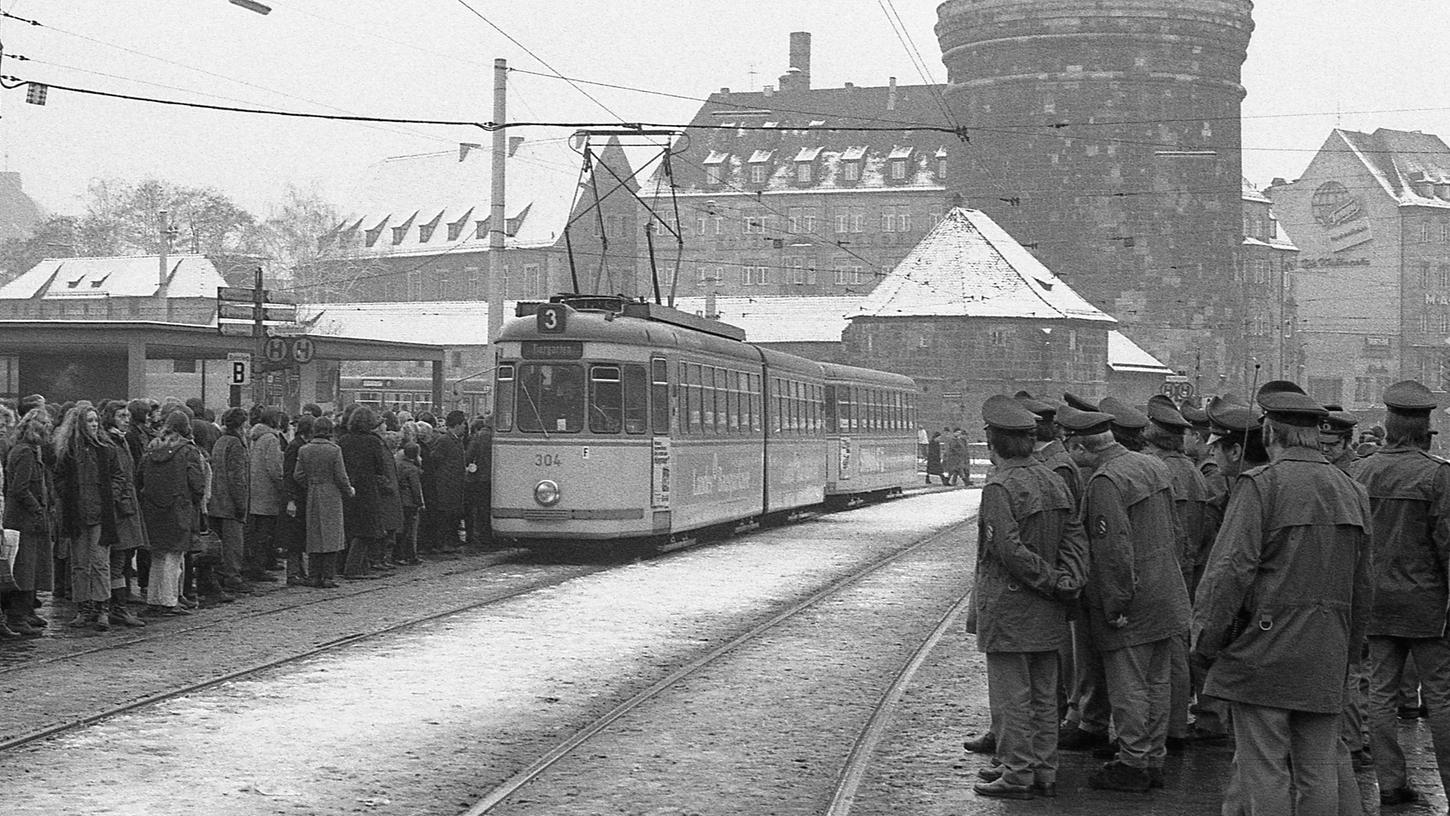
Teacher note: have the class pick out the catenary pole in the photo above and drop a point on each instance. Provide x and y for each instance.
(497, 222)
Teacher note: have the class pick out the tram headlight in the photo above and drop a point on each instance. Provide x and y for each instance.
(547, 493)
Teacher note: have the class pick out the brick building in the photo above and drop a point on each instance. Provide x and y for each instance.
(1106, 137)
(781, 193)
(970, 313)
(419, 227)
(1371, 217)
(1265, 275)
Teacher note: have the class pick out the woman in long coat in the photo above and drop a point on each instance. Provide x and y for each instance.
(173, 493)
(368, 468)
(321, 470)
(85, 460)
(28, 510)
(292, 523)
(227, 507)
(933, 458)
(392, 507)
(130, 531)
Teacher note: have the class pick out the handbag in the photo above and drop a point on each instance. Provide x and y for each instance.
(206, 546)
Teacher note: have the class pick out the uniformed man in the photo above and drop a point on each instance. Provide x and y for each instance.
(1136, 599)
(1085, 725)
(1195, 443)
(1336, 437)
(1128, 423)
(1280, 611)
(1409, 492)
(1049, 449)
(1234, 445)
(1164, 436)
(1031, 558)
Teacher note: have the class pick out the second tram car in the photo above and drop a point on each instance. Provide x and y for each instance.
(618, 419)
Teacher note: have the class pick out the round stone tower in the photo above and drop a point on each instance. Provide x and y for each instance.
(1105, 134)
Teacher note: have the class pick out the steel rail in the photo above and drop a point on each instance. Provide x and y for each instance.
(168, 632)
(338, 643)
(513, 784)
(864, 749)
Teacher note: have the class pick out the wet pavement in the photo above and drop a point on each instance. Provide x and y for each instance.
(425, 720)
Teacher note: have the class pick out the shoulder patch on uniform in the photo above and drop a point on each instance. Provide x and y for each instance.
(1100, 527)
(991, 532)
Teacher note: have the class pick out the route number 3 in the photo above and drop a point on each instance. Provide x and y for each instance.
(548, 460)
(550, 319)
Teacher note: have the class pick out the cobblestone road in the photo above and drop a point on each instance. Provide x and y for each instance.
(425, 720)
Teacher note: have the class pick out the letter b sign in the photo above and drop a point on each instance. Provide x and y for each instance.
(239, 369)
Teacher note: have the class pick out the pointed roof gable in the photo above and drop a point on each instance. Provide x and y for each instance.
(970, 267)
(1401, 159)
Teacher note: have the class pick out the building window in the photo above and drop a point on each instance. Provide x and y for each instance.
(754, 273)
(847, 272)
(754, 223)
(997, 338)
(454, 230)
(1424, 276)
(941, 168)
(1425, 232)
(425, 232)
(803, 171)
(851, 171)
(800, 270)
(1442, 276)
(1424, 323)
(713, 174)
(801, 219)
(898, 169)
(896, 218)
(399, 233)
(1445, 233)
(758, 173)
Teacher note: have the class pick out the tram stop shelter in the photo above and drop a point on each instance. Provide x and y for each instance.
(95, 359)
(146, 326)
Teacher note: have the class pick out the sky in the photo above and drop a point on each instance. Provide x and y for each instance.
(1313, 65)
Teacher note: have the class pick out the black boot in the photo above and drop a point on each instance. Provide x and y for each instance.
(119, 612)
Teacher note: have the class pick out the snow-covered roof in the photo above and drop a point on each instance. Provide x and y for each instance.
(459, 323)
(1404, 163)
(451, 192)
(970, 267)
(1125, 356)
(1251, 193)
(449, 323)
(188, 276)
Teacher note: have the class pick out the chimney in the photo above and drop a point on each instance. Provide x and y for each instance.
(891, 94)
(711, 312)
(464, 147)
(514, 142)
(768, 90)
(798, 77)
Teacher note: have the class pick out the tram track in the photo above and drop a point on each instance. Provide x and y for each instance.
(492, 599)
(854, 768)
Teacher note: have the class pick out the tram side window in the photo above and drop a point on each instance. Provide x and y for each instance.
(707, 381)
(732, 404)
(722, 402)
(757, 408)
(636, 400)
(551, 397)
(777, 404)
(659, 396)
(830, 409)
(818, 405)
(692, 396)
(843, 408)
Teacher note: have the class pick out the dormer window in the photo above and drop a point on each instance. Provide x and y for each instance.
(851, 163)
(715, 167)
(425, 231)
(480, 229)
(760, 166)
(805, 164)
(941, 164)
(370, 237)
(897, 161)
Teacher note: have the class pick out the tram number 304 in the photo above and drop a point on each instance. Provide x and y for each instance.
(548, 460)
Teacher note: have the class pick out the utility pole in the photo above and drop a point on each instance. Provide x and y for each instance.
(259, 335)
(497, 218)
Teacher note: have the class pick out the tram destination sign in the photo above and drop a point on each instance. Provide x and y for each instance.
(553, 350)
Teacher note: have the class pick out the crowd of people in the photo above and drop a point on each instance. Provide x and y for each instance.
(159, 508)
(1153, 578)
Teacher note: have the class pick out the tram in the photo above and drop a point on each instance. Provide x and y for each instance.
(387, 392)
(618, 419)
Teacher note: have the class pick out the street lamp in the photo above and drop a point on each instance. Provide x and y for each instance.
(253, 5)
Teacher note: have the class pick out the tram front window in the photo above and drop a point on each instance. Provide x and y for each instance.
(550, 398)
